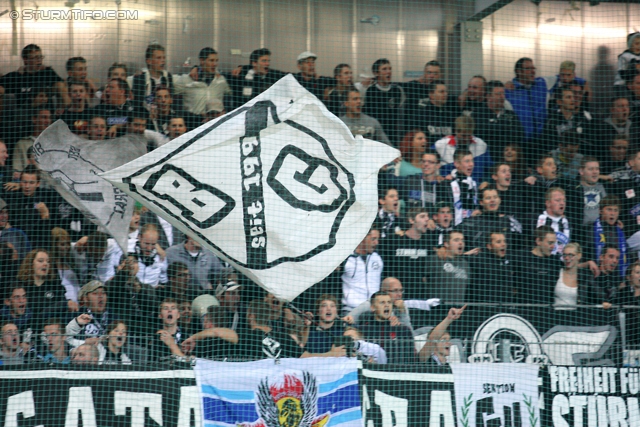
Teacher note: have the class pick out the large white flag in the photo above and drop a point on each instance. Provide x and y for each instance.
(75, 163)
(279, 188)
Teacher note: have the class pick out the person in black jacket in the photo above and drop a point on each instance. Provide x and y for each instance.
(493, 272)
(253, 79)
(495, 125)
(384, 101)
(435, 115)
(478, 228)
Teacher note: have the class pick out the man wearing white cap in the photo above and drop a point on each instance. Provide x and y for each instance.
(307, 76)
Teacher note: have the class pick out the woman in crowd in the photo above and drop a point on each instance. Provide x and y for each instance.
(513, 156)
(412, 147)
(575, 286)
(45, 291)
(113, 353)
(62, 262)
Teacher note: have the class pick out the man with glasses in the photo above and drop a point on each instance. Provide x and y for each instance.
(428, 188)
(33, 77)
(529, 98)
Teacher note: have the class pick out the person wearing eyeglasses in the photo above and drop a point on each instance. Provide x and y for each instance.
(33, 77)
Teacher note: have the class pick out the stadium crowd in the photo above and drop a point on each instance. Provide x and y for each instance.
(509, 193)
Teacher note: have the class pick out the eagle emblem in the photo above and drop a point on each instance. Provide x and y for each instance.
(290, 402)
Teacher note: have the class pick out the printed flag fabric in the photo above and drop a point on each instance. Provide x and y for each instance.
(499, 394)
(74, 164)
(279, 188)
(313, 392)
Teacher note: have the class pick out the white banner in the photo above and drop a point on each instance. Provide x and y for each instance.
(279, 188)
(501, 394)
(313, 392)
(75, 163)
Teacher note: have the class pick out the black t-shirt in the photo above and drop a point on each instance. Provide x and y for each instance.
(160, 351)
(255, 344)
(320, 340)
(27, 85)
(404, 259)
(78, 122)
(536, 277)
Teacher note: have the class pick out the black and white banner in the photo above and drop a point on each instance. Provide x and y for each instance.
(392, 396)
(279, 187)
(75, 163)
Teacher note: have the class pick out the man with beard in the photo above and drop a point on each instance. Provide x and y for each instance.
(448, 272)
(539, 263)
(510, 192)
(396, 341)
(477, 228)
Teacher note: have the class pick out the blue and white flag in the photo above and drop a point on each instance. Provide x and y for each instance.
(496, 394)
(314, 392)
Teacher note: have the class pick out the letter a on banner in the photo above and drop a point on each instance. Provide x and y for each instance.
(279, 188)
